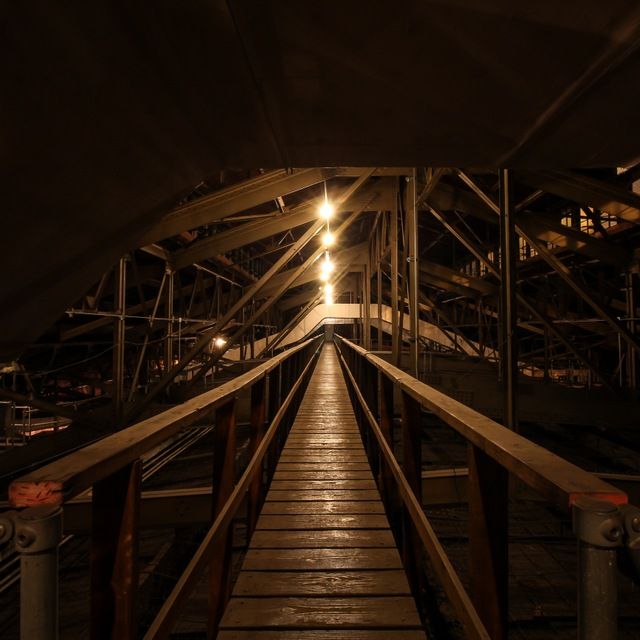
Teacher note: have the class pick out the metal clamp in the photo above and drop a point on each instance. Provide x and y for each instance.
(38, 529)
(598, 523)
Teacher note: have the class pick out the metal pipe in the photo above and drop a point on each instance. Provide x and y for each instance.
(38, 533)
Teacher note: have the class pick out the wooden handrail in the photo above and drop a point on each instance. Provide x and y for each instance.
(553, 477)
(76, 472)
(450, 580)
(166, 617)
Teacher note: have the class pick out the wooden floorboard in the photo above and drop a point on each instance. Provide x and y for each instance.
(322, 563)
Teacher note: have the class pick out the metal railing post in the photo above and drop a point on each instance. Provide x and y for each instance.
(599, 527)
(38, 533)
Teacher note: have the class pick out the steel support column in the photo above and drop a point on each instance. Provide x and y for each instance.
(168, 345)
(119, 339)
(412, 258)
(395, 329)
(366, 305)
(508, 306)
(632, 302)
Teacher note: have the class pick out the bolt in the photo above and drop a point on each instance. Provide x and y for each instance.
(24, 538)
(612, 534)
(635, 524)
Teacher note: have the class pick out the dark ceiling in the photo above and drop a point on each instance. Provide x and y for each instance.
(112, 112)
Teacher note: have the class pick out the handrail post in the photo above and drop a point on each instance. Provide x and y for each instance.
(599, 526)
(489, 541)
(38, 533)
(258, 414)
(224, 452)
(412, 468)
(115, 531)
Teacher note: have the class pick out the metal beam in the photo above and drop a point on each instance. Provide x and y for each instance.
(560, 268)
(352, 256)
(352, 198)
(529, 307)
(234, 199)
(205, 338)
(217, 354)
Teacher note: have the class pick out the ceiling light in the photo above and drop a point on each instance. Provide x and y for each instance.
(220, 342)
(326, 210)
(328, 239)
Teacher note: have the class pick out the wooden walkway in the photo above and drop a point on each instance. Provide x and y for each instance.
(322, 562)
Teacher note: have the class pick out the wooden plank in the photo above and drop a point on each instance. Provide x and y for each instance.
(322, 506)
(365, 474)
(289, 496)
(330, 521)
(321, 559)
(325, 538)
(329, 634)
(333, 455)
(306, 445)
(322, 466)
(322, 583)
(320, 613)
(317, 485)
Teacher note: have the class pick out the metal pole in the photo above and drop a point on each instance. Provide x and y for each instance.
(412, 258)
(168, 349)
(38, 533)
(509, 309)
(366, 302)
(631, 291)
(379, 245)
(118, 339)
(395, 335)
(599, 528)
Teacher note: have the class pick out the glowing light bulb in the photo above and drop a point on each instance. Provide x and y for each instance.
(326, 210)
(328, 299)
(328, 239)
(324, 276)
(220, 342)
(328, 289)
(327, 266)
